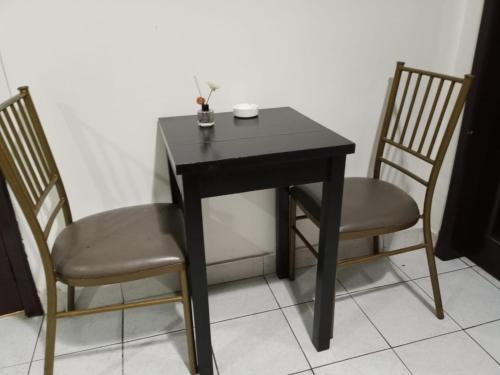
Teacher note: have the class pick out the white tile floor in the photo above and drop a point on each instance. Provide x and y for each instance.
(384, 325)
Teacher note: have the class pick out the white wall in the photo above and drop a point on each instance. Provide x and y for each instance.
(102, 72)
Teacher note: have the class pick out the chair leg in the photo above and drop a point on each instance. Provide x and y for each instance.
(71, 298)
(431, 261)
(292, 220)
(186, 301)
(50, 339)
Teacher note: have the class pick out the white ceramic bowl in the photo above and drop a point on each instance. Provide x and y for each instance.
(245, 110)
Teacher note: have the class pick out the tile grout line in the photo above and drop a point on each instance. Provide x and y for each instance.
(400, 282)
(215, 361)
(209, 286)
(427, 338)
(350, 294)
(478, 344)
(373, 324)
(435, 336)
(439, 273)
(366, 315)
(380, 286)
(78, 351)
(297, 341)
(152, 336)
(305, 302)
(401, 360)
(423, 277)
(281, 307)
(16, 365)
(477, 325)
(301, 372)
(289, 326)
(245, 316)
(36, 344)
(410, 280)
(362, 355)
(482, 324)
(484, 277)
(462, 329)
(351, 358)
(450, 333)
(447, 314)
(432, 299)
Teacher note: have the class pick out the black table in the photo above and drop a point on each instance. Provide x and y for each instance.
(278, 149)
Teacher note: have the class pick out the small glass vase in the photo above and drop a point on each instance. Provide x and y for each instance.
(206, 118)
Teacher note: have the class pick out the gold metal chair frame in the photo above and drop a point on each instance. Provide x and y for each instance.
(390, 138)
(30, 169)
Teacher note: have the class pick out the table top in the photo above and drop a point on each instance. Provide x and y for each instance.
(277, 134)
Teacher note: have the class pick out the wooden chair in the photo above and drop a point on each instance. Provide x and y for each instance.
(111, 247)
(372, 207)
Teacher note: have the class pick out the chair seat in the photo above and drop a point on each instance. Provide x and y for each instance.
(368, 205)
(120, 242)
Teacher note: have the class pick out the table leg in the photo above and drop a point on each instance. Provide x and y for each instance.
(174, 188)
(197, 273)
(331, 206)
(282, 238)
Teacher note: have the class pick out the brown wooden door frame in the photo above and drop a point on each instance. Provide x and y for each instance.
(21, 291)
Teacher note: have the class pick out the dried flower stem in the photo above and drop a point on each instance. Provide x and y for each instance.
(208, 99)
(197, 85)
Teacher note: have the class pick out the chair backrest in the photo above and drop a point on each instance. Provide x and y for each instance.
(420, 118)
(30, 170)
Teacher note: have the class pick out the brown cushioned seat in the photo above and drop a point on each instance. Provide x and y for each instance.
(121, 241)
(368, 204)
